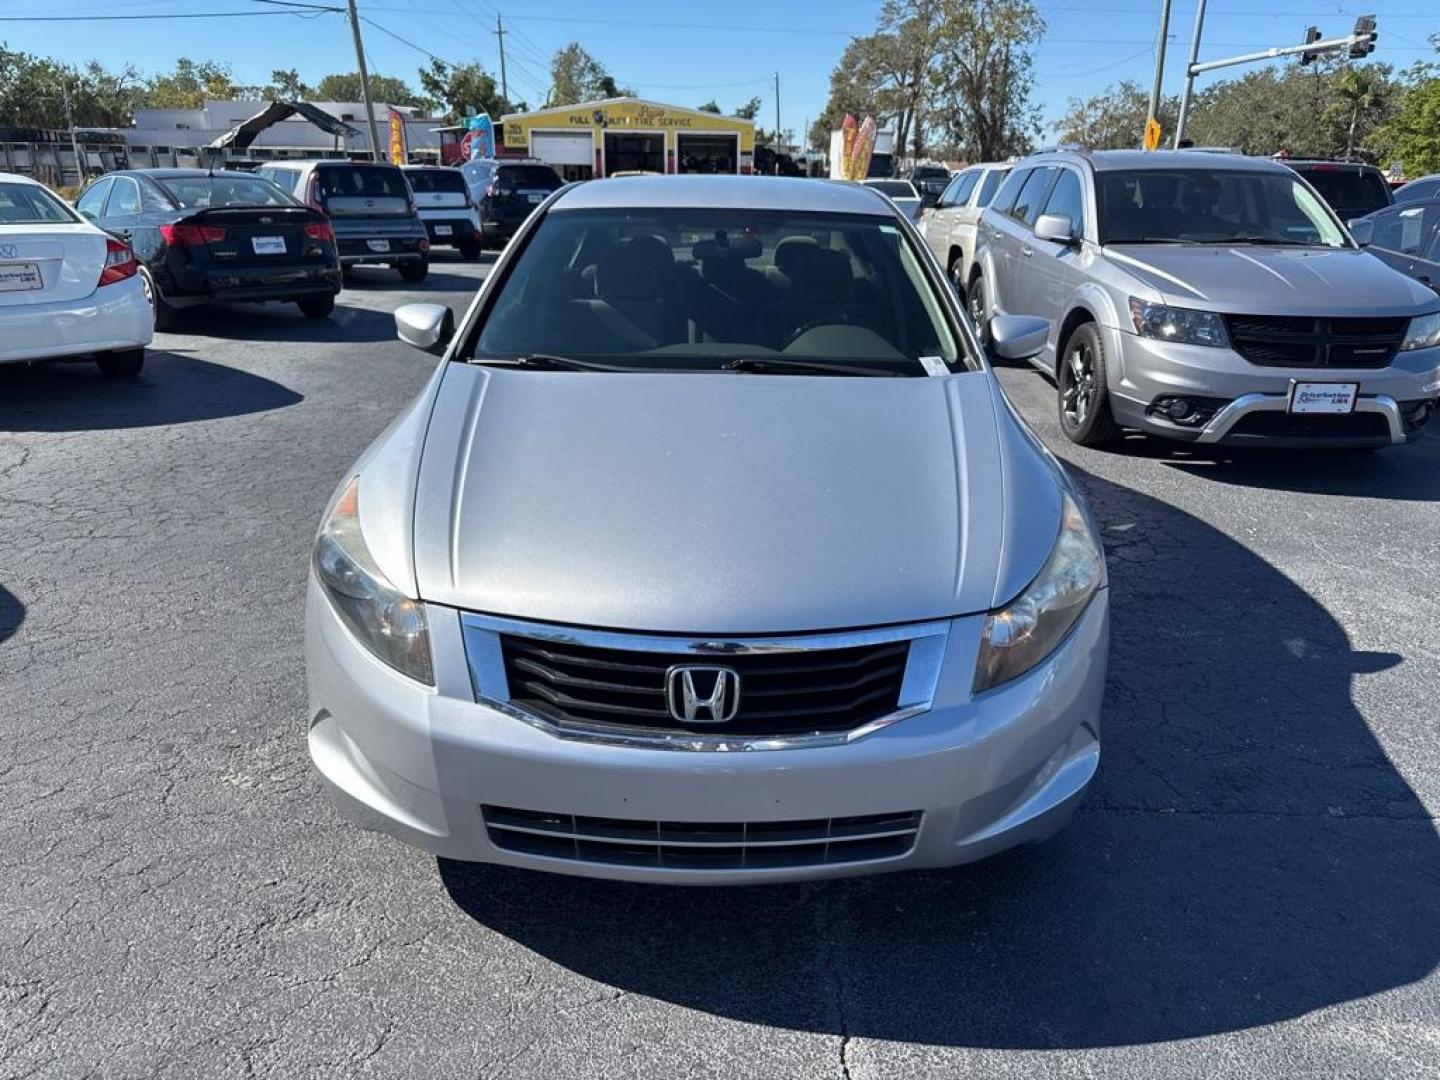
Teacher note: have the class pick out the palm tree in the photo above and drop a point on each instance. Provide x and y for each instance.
(1359, 92)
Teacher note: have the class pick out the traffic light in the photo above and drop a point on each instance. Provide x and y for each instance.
(1364, 36)
(1312, 33)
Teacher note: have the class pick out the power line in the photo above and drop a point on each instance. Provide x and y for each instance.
(165, 15)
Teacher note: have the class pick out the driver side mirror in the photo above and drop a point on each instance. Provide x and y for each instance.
(1056, 228)
(428, 327)
(1018, 337)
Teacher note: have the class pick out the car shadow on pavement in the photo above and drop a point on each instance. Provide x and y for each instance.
(1249, 854)
(381, 280)
(173, 389)
(281, 322)
(12, 612)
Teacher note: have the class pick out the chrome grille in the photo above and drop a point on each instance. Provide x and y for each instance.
(692, 845)
(1302, 341)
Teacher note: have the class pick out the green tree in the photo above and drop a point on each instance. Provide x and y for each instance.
(749, 111)
(576, 76)
(286, 85)
(1412, 136)
(710, 106)
(383, 89)
(1113, 119)
(463, 90)
(188, 86)
(983, 81)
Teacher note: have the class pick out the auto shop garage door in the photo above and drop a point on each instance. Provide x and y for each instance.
(563, 147)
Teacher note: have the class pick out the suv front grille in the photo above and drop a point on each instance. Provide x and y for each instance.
(1301, 341)
(781, 692)
(694, 845)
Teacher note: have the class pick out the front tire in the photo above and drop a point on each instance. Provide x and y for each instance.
(975, 304)
(1083, 395)
(414, 271)
(125, 364)
(317, 307)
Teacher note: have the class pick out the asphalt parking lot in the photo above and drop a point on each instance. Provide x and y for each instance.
(1253, 889)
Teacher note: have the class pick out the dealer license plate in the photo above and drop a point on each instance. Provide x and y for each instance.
(378, 245)
(537, 198)
(443, 230)
(1323, 397)
(20, 277)
(268, 245)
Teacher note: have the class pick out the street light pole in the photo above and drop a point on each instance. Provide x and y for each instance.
(365, 84)
(1154, 113)
(1190, 73)
(777, 112)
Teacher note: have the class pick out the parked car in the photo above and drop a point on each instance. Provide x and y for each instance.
(1421, 189)
(1405, 236)
(370, 207)
(507, 191)
(949, 228)
(651, 583)
(1206, 298)
(1351, 188)
(444, 204)
(67, 290)
(929, 181)
(204, 236)
(900, 192)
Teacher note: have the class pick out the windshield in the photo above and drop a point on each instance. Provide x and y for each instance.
(28, 204)
(668, 289)
(1351, 192)
(199, 192)
(896, 189)
(426, 181)
(1212, 206)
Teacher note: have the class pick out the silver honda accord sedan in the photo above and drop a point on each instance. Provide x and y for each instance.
(712, 553)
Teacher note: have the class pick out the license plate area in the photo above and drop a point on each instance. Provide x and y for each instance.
(444, 230)
(1322, 398)
(20, 277)
(268, 245)
(378, 245)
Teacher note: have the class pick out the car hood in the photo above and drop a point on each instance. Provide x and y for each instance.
(1272, 280)
(710, 503)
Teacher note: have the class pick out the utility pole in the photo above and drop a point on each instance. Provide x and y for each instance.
(1154, 113)
(777, 110)
(500, 33)
(70, 122)
(1190, 73)
(365, 84)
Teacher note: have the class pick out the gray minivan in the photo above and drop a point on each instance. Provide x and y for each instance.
(370, 206)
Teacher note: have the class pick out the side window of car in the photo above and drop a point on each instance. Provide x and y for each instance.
(962, 187)
(1005, 197)
(993, 179)
(151, 200)
(1068, 197)
(1027, 203)
(124, 199)
(92, 203)
(1399, 230)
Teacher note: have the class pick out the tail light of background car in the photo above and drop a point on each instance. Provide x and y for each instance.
(320, 230)
(183, 235)
(119, 263)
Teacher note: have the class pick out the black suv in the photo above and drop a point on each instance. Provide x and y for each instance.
(507, 191)
(930, 181)
(1351, 188)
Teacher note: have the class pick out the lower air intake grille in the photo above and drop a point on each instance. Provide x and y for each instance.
(691, 845)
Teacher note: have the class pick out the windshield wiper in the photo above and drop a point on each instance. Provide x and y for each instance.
(551, 362)
(1273, 241)
(1150, 240)
(761, 365)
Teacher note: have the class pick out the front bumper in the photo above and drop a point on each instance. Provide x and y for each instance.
(1250, 401)
(985, 773)
(114, 317)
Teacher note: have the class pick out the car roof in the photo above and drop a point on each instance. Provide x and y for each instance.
(725, 192)
(17, 178)
(286, 162)
(177, 174)
(1130, 160)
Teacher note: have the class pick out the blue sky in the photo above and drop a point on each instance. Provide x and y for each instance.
(679, 53)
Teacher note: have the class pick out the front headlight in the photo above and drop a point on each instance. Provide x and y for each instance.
(1027, 630)
(384, 620)
(1184, 325)
(1424, 332)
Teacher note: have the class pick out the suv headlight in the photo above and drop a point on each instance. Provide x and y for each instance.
(383, 619)
(1423, 333)
(1185, 325)
(1028, 629)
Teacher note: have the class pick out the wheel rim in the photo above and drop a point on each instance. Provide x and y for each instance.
(977, 304)
(1077, 386)
(148, 288)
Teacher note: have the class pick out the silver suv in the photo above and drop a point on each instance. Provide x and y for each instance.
(1206, 298)
(949, 228)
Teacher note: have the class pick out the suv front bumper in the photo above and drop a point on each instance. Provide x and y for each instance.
(984, 773)
(1250, 401)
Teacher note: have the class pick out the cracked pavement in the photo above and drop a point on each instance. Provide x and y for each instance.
(1252, 889)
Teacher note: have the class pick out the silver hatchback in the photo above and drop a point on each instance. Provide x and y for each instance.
(711, 553)
(1206, 298)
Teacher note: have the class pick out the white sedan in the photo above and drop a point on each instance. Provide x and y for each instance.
(67, 290)
(900, 192)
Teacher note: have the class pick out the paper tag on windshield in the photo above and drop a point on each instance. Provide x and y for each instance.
(933, 365)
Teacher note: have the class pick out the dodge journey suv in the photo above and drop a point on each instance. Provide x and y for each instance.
(1207, 298)
(711, 553)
